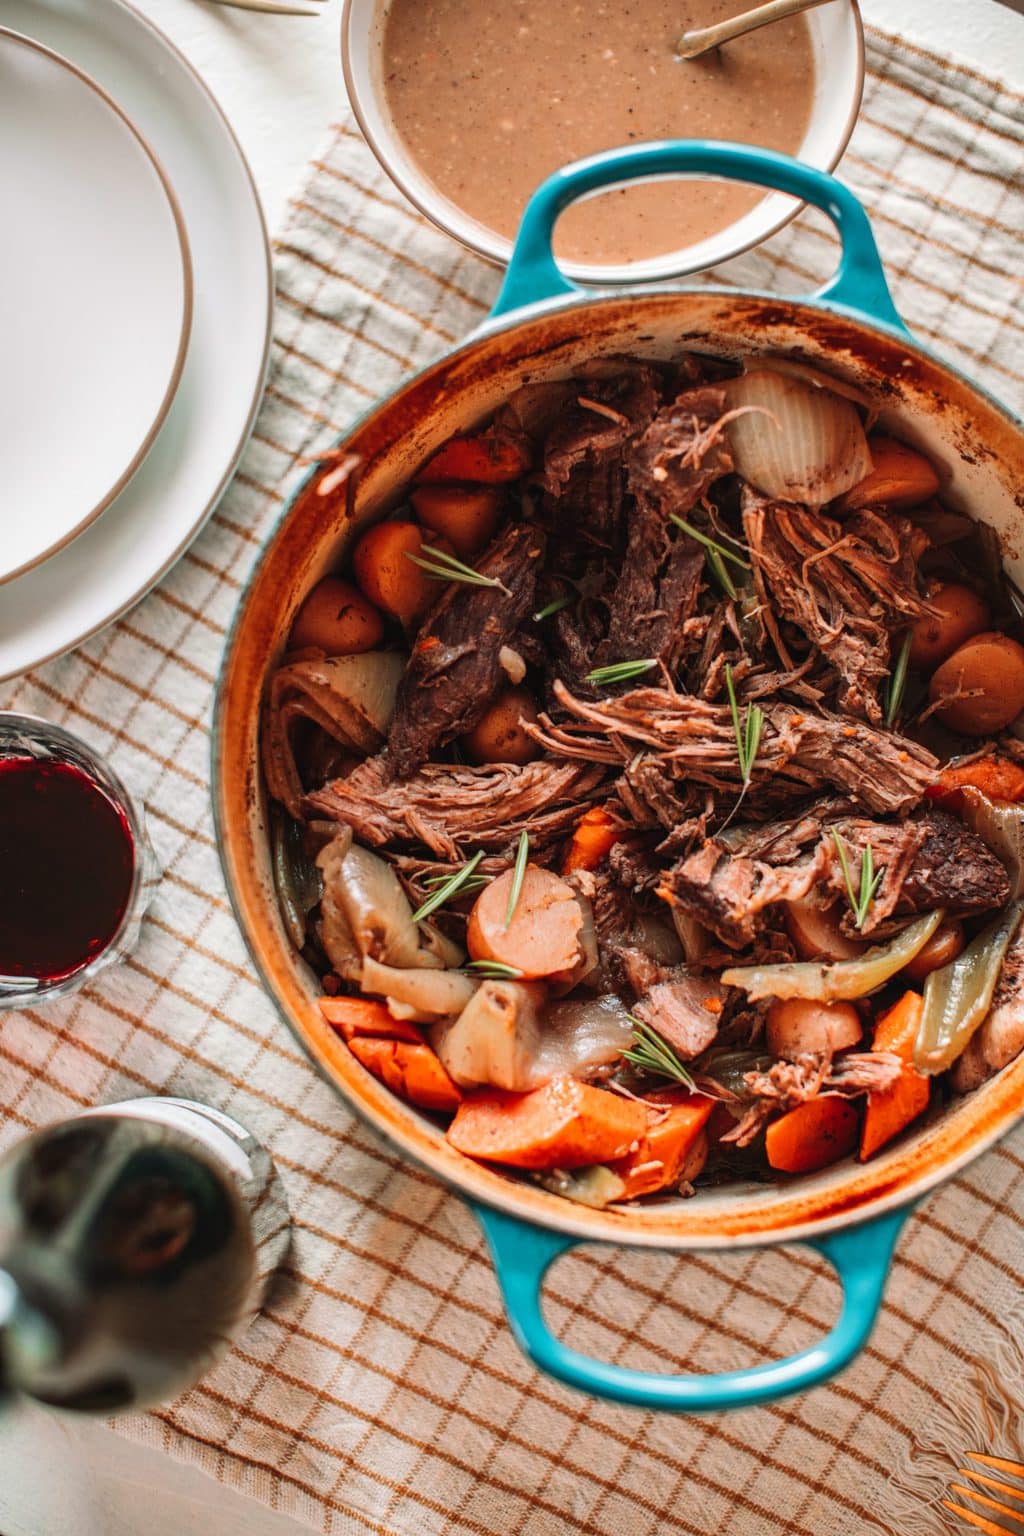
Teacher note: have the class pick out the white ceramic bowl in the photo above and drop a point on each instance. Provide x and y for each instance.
(837, 40)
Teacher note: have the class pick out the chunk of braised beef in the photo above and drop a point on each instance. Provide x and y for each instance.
(453, 809)
(455, 666)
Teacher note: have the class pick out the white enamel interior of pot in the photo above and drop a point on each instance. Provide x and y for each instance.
(837, 44)
(980, 453)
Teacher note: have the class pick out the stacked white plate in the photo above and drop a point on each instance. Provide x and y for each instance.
(135, 308)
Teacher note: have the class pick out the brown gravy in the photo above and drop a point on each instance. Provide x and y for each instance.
(491, 96)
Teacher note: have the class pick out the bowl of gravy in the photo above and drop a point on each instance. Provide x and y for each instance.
(470, 104)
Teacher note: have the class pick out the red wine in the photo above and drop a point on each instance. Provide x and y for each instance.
(67, 859)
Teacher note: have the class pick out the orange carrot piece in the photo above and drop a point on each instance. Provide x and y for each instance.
(565, 1124)
(411, 1071)
(668, 1145)
(596, 834)
(812, 1135)
(352, 1016)
(491, 459)
(891, 1110)
(1000, 778)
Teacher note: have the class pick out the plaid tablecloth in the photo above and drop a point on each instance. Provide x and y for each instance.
(381, 1390)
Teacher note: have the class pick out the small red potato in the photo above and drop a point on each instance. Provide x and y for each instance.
(545, 935)
(498, 736)
(961, 615)
(944, 945)
(465, 515)
(901, 477)
(983, 682)
(797, 1025)
(336, 619)
(389, 578)
(816, 933)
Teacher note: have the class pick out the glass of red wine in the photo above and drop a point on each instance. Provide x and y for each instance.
(77, 870)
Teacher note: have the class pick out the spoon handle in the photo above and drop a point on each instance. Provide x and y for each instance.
(703, 39)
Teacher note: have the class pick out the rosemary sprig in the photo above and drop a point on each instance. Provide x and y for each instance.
(748, 733)
(897, 681)
(449, 887)
(619, 672)
(493, 970)
(518, 875)
(471, 883)
(551, 608)
(445, 567)
(652, 1053)
(710, 543)
(870, 879)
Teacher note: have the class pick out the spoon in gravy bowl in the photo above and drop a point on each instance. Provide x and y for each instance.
(692, 45)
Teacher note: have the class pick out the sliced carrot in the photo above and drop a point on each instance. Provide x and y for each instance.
(596, 834)
(352, 1016)
(490, 459)
(1000, 778)
(891, 1110)
(466, 515)
(411, 1071)
(565, 1124)
(901, 477)
(669, 1144)
(812, 1135)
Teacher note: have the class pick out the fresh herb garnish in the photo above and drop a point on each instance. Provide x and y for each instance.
(619, 672)
(471, 883)
(870, 879)
(445, 567)
(493, 970)
(551, 608)
(712, 546)
(897, 681)
(518, 876)
(450, 886)
(748, 732)
(651, 1052)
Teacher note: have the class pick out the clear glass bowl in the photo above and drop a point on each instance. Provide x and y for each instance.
(29, 736)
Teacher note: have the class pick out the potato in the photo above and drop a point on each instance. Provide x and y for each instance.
(901, 477)
(498, 736)
(799, 1024)
(545, 936)
(961, 615)
(944, 945)
(816, 933)
(336, 619)
(465, 515)
(389, 578)
(984, 683)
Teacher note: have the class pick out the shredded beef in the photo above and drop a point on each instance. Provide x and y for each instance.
(788, 1083)
(448, 808)
(801, 749)
(671, 466)
(455, 667)
(843, 584)
(685, 1011)
(728, 893)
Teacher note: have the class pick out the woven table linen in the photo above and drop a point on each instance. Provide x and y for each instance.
(381, 1390)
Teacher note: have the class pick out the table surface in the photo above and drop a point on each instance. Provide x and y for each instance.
(279, 81)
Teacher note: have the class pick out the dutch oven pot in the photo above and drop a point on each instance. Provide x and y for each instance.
(542, 327)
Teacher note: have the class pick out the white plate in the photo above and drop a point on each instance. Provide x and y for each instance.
(115, 561)
(96, 300)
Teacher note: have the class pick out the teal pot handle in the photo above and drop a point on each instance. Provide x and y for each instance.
(522, 1254)
(533, 274)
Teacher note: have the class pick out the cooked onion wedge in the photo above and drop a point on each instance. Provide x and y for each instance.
(793, 440)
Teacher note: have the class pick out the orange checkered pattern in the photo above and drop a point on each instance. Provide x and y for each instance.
(381, 1391)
